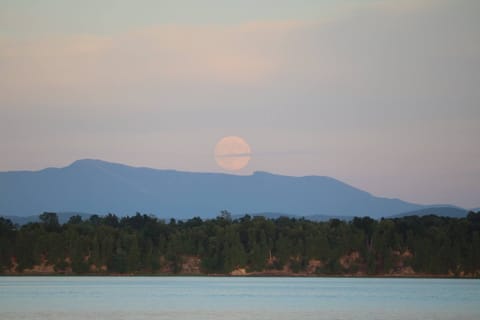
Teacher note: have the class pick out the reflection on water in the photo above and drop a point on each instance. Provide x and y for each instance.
(236, 298)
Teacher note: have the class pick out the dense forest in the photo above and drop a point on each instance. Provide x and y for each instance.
(143, 244)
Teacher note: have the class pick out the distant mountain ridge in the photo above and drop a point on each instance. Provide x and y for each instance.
(63, 217)
(96, 186)
(451, 212)
(441, 211)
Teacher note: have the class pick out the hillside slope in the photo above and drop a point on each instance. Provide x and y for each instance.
(96, 186)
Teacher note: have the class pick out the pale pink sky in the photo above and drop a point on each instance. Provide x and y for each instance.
(381, 94)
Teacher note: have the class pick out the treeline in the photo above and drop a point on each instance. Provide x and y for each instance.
(144, 244)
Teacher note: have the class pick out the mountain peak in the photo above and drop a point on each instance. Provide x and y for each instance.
(96, 186)
(86, 162)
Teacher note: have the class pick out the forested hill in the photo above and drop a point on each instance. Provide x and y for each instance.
(142, 244)
(95, 186)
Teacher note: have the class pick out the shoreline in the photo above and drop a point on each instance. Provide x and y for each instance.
(255, 275)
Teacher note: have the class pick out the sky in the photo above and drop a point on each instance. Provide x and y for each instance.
(381, 94)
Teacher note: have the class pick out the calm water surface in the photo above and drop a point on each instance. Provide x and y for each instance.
(237, 298)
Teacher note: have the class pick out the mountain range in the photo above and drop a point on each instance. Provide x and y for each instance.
(95, 186)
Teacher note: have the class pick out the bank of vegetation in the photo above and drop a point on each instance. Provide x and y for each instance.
(143, 244)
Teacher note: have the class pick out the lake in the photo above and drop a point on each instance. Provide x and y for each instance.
(237, 298)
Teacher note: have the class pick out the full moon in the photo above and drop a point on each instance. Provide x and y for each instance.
(232, 153)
